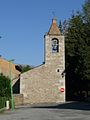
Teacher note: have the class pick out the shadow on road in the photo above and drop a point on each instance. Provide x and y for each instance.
(70, 105)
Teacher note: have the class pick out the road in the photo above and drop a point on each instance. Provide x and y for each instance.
(67, 111)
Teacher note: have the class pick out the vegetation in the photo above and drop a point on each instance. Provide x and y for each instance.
(4, 86)
(77, 38)
(3, 103)
(5, 93)
(23, 68)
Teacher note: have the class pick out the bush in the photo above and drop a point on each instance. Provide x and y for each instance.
(4, 86)
(3, 102)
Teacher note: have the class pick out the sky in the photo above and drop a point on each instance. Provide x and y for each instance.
(23, 24)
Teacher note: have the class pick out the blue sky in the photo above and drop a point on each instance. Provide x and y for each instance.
(23, 24)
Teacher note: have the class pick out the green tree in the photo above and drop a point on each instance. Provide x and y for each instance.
(77, 38)
(4, 86)
(86, 18)
(23, 68)
(60, 26)
(86, 11)
(73, 56)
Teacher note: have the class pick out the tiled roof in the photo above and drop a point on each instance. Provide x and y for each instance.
(8, 69)
(54, 30)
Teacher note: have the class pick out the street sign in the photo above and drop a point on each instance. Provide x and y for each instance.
(61, 89)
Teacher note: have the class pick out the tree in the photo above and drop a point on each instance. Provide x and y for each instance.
(4, 86)
(86, 11)
(23, 68)
(86, 18)
(77, 38)
(73, 58)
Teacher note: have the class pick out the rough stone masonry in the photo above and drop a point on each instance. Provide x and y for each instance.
(46, 83)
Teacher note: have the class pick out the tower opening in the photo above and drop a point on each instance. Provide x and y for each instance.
(55, 45)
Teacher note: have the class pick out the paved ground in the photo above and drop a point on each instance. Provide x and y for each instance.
(68, 111)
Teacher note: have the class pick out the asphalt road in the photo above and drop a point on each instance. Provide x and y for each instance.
(67, 111)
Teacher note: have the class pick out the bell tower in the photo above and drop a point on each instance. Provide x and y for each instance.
(55, 56)
(54, 46)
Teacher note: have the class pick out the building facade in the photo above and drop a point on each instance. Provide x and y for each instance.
(46, 83)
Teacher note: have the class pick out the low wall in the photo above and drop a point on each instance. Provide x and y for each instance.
(18, 99)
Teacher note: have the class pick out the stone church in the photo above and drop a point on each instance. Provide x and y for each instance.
(46, 83)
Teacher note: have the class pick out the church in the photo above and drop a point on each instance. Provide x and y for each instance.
(46, 83)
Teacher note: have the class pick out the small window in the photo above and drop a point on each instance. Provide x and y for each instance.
(55, 45)
(58, 70)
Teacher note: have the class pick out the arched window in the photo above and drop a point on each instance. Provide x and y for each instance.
(55, 45)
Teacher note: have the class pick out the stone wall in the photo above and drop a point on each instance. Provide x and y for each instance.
(42, 85)
(18, 99)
